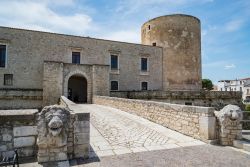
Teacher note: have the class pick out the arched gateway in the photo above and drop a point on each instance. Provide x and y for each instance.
(77, 89)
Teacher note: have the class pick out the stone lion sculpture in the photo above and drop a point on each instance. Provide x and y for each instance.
(229, 121)
(229, 113)
(52, 126)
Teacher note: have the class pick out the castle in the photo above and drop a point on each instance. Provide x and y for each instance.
(37, 63)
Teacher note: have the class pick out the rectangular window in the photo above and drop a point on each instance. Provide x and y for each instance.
(144, 86)
(2, 55)
(188, 103)
(241, 89)
(114, 62)
(8, 79)
(76, 57)
(144, 64)
(114, 85)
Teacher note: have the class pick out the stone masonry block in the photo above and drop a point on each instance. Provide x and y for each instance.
(3, 148)
(82, 117)
(6, 137)
(25, 131)
(24, 141)
(208, 127)
(81, 138)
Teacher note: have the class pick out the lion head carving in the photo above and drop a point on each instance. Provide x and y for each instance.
(53, 123)
(229, 113)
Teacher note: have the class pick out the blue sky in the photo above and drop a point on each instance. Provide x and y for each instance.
(225, 25)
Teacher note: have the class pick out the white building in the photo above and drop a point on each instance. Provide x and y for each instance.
(242, 85)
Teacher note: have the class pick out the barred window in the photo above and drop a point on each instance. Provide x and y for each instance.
(8, 79)
(114, 85)
(144, 86)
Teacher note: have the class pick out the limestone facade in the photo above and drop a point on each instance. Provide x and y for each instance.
(37, 59)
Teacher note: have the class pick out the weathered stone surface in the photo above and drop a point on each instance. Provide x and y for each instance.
(6, 137)
(26, 152)
(24, 131)
(53, 133)
(3, 148)
(180, 37)
(182, 118)
(229, 124)
(207, 127)
(24, 141)
(216, 99)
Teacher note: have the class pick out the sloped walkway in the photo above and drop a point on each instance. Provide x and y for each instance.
(115, 132)
(120, 139)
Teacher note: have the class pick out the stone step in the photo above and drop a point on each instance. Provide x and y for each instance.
(242, 144)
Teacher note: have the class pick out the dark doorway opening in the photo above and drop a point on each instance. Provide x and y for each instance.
(77, 89)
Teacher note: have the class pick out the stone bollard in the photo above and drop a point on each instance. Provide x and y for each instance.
(229, 122)
(52, 127)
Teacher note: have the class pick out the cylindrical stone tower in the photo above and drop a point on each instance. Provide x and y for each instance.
(180, 37)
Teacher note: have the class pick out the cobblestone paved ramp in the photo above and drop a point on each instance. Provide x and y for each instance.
(115, 132)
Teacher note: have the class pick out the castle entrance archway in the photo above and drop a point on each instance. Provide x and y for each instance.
(77, 89)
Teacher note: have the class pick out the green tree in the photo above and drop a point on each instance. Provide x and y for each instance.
(207, 84)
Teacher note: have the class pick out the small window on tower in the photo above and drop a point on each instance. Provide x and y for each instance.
(154, 44)
(148, 27)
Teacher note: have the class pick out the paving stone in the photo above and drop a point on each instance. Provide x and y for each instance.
(122, 151)
(105, 153)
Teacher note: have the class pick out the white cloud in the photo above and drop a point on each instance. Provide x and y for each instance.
(37, 15)
(230, 66)
(234, 25)
(132, 6)
(124, 35)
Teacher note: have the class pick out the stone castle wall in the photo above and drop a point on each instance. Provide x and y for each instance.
(18, 130)
(197, 122)
(216, 99)
(27, 50)
(12, 98)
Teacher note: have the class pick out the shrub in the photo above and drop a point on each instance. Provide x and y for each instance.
(247, 108)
